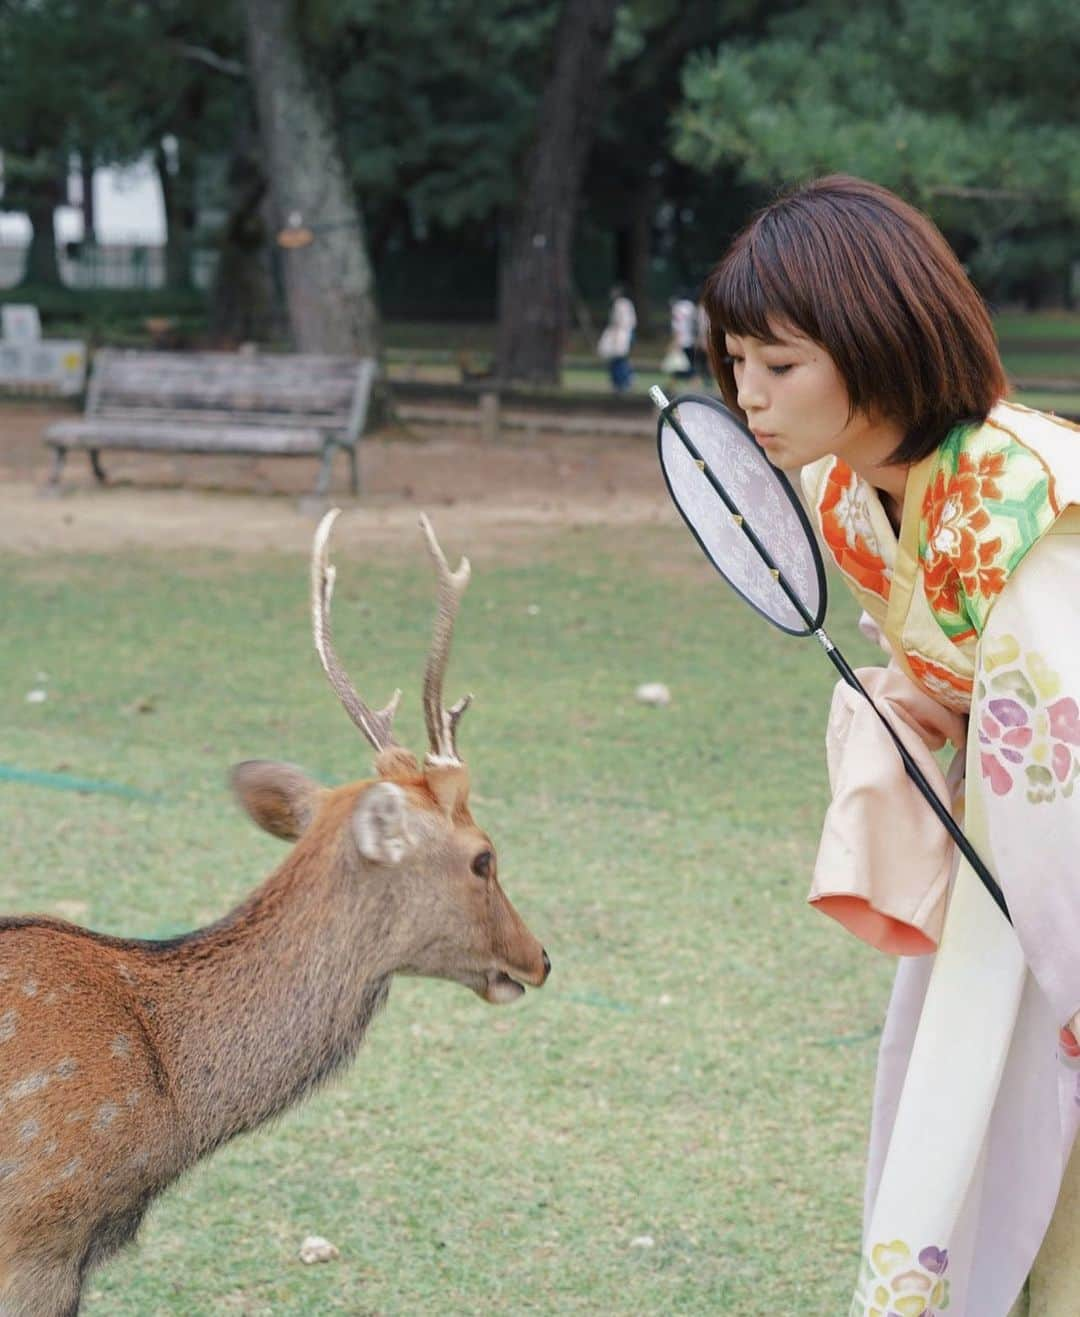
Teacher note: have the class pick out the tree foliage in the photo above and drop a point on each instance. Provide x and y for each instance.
(435, 102)
(535, 292)
(636, 191)
(113, 86)
(970, 111)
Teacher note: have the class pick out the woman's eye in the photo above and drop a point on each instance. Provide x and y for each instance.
(779, 370)
(732, 360)
(481, 866)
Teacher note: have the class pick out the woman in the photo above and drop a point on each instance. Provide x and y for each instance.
(844, 331)
(683, 349)
(618, 338)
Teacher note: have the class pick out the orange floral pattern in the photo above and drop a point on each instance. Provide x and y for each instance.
(844, 516)
(989, 501)
(950, 688)
(961, 556)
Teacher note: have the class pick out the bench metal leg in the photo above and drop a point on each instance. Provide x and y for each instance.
(99, 470)
(323, 482)
(354, 473)
(59, 456)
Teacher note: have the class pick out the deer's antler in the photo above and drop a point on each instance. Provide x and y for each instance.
(442, 723)
(375, 726)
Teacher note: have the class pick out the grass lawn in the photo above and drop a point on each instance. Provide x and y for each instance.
(1063, 326)
(697, 1070)
(594, 379)
(1034, 347)
(1013, 327)
(1061, 404)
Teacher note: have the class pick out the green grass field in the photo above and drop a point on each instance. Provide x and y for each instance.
(1035, 348)
(697, 1070)
(580, 378)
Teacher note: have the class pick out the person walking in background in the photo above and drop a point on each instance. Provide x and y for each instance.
(682, 361)
(618, 338)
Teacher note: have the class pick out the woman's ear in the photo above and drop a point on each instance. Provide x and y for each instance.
(281, 798)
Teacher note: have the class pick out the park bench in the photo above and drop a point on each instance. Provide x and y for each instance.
(220, 402)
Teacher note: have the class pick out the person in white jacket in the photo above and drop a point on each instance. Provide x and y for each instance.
(618, 338)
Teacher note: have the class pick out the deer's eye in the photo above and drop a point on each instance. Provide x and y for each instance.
(483, 864)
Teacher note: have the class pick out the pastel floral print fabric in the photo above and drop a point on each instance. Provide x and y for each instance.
(1028, 725)
(894, 1282)
(989, 500)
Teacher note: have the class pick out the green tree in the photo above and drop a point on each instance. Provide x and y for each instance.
(534, 293)
(62, 87)
(967, 110)
(635, 190)
(434, 102)
(128, 83)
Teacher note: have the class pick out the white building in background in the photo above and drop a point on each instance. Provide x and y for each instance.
(129, 218)
(128, 210)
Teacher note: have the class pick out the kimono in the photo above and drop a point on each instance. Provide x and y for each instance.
(977, 1093)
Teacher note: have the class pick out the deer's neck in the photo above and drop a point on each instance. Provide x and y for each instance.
(265, 1005)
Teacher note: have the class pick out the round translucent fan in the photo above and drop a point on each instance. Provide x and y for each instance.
(743, 512)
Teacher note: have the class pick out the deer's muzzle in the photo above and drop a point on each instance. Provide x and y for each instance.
(499, 988)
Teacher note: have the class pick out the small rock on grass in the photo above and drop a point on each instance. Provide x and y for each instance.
(317, 1249)
(654, 693)
(144, 704)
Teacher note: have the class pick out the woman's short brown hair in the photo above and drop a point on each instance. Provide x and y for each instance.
(872, 280)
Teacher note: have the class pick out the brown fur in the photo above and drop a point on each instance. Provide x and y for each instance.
(124, 1062)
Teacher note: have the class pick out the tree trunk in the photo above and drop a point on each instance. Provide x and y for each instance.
(89, 214)
(177, 196)
(534, 291)
(640, 245)
(244, 305)
(329, 285)
(40, 200)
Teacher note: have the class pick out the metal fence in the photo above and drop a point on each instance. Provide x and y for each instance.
(114, 266)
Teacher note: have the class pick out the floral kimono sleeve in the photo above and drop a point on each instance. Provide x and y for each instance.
(1025, 726)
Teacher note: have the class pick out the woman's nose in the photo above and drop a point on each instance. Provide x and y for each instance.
(748, 390)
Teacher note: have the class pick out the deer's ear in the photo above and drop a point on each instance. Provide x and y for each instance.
(381, 824)
(279, 797)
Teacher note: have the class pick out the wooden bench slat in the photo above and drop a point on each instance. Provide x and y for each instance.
(191, 394)
(202, 386)
(183, 438)
(330, 422)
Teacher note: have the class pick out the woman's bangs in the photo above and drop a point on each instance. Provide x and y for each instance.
(745, 300)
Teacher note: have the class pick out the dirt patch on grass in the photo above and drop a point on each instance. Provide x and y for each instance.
(509, 493)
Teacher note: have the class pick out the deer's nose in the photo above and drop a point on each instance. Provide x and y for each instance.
(547, 966)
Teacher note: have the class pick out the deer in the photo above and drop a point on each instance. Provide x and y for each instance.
(123, 1062)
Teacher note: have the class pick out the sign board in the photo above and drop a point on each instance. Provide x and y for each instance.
(21, 323)
(52, 365)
